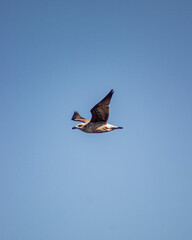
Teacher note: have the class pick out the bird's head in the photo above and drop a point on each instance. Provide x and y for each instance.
(79, 126)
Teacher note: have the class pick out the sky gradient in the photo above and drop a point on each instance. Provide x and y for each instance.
(61, 56)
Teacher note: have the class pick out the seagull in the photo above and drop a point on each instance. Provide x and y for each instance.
(100, 115)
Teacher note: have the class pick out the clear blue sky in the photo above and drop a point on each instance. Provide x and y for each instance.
(62, 184)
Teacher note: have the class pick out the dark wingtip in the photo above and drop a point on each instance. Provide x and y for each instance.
(112, 91)
(120, 127)
(75, 115)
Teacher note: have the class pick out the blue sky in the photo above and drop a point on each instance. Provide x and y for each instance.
(61, 56)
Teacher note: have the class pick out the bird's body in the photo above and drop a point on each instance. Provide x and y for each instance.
(98, 127)
(100, 115)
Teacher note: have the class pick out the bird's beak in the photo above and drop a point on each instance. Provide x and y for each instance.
(74, 128)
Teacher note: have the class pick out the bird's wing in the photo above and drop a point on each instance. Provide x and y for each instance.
(77, 117)
(100, 112)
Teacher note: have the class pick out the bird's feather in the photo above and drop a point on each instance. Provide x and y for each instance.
(100, 112)
(77, 117)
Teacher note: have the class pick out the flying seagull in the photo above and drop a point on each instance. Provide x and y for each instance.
(100, 115)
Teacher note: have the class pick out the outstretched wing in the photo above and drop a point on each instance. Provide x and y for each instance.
(77, 117)
(100, 112)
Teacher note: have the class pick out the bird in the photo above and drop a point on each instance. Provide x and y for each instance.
(100, 115)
